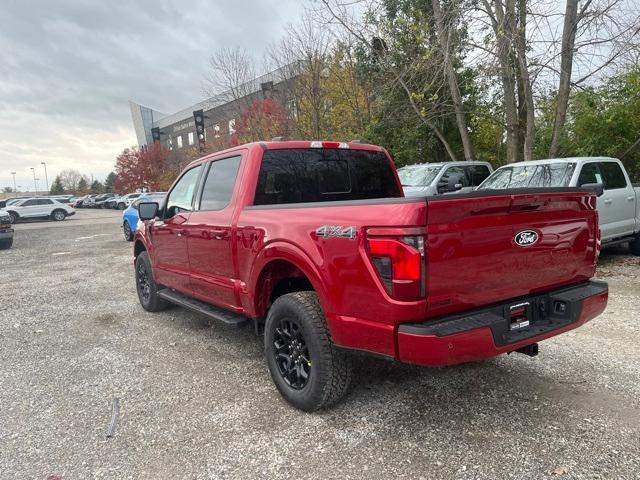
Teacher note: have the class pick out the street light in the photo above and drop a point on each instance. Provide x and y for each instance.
(46, 178)
(14, 181)
(37, 180)
(34, 180)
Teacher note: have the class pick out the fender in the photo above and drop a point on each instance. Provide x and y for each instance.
(283, 250)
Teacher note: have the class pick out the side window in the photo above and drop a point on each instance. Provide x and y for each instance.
(30, 203)
(613, 175)
(589, 174)
(452, 176)
(45, 201)
(477, 174)
(180, 199)
(218, 187)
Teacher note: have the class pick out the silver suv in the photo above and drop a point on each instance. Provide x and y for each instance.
(426, 179)
(39, 208)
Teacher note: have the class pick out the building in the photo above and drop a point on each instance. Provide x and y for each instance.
(178, 130)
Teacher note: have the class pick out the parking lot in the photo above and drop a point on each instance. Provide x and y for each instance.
(196, 399)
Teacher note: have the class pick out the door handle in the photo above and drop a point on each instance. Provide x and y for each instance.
(182, 232)
(631, 199)
(607, 201)
(219, 234)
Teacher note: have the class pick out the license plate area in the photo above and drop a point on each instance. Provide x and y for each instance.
(519, 316)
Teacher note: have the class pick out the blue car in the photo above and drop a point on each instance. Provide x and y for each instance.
(130, 215)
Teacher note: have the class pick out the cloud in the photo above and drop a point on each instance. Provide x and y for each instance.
(69, 67)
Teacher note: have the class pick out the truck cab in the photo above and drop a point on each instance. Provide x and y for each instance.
(426, 179)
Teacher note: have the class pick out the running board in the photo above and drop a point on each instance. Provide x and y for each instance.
(228, 318)
(617, 241)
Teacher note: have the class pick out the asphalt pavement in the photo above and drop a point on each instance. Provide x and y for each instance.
(195, 399)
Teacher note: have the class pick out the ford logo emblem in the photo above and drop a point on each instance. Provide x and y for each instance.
(526, 238)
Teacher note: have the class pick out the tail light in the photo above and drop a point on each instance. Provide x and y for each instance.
(400, 263)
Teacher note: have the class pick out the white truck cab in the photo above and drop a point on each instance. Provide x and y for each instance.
(426, 179)
(618, 206)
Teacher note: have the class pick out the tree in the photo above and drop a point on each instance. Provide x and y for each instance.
(147, 167)
(96, 187)
(56, 187)
(109, 181)
(82, 187)
(7, 189)
(70, 180)
(264, 119)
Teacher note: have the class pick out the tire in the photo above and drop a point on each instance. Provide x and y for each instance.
(6, 243)
(146, 286)
(14, 217)
(634, 246)
(121, 206)
(296, 323)
(58, 215)
(126, 230)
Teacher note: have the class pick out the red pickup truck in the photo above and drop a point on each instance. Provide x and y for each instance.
(315, 244)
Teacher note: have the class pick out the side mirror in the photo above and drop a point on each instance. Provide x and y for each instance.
(596, 187)
(457, 186)
(148, 210)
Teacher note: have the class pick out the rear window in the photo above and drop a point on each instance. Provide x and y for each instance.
(477, 174)
(530, 176)
(613, 175)
(323, 175)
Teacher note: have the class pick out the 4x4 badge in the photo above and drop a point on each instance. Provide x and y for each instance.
(329, 231)
(526, 238)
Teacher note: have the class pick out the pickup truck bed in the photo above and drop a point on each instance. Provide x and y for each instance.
(316, 244)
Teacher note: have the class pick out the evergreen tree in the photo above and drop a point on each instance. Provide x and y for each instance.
(97, 187)
(83, 186)
(109, 181)
(56, 187)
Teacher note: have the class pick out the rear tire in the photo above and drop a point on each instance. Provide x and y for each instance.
(121, 206)
(6, 243)
(634, 246)
(146, 286)
(14, 217)
(308, 370)
(58, 215)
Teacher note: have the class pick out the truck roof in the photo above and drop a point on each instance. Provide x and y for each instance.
(442, 164)
(548, 161)
(290, 144)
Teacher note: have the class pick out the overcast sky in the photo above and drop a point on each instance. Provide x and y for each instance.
(68, 69)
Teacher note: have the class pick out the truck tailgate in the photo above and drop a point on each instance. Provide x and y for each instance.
(487, 247)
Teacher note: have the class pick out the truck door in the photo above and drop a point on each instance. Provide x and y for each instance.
(211, 235)
(616, 212)
(171, 259)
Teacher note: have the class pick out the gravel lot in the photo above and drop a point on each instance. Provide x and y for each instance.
(196, 400)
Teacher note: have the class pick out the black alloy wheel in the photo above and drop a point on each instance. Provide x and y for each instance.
(128, 234)
(291, 354)
(143, 283)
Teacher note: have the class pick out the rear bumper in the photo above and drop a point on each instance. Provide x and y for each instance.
(485, 333)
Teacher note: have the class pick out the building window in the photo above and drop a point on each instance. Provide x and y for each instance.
(232, 126)
(216, 130)
(179, 141)
(170, 143)
(190, 138)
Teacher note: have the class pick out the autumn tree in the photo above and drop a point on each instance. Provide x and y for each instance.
(263, 120)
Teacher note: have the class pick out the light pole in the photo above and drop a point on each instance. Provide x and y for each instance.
(34, 180)
(46, 178)
(37, 180)
(15, 189)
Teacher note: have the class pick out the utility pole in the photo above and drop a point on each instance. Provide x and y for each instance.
(15, 189)
(35, 185)
(46, 178)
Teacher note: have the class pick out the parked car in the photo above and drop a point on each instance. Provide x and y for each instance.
(126, 200)
(88, 201)
(6, 232)
(111, 202)
(100, 200)
(130, 215)
(315, 244)
(427, 179)
(38, 207)
(618, 204)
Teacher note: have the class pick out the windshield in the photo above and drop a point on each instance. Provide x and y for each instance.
(530, 176)
(420, 176)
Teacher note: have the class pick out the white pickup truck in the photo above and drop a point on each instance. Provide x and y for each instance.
(618, 200)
